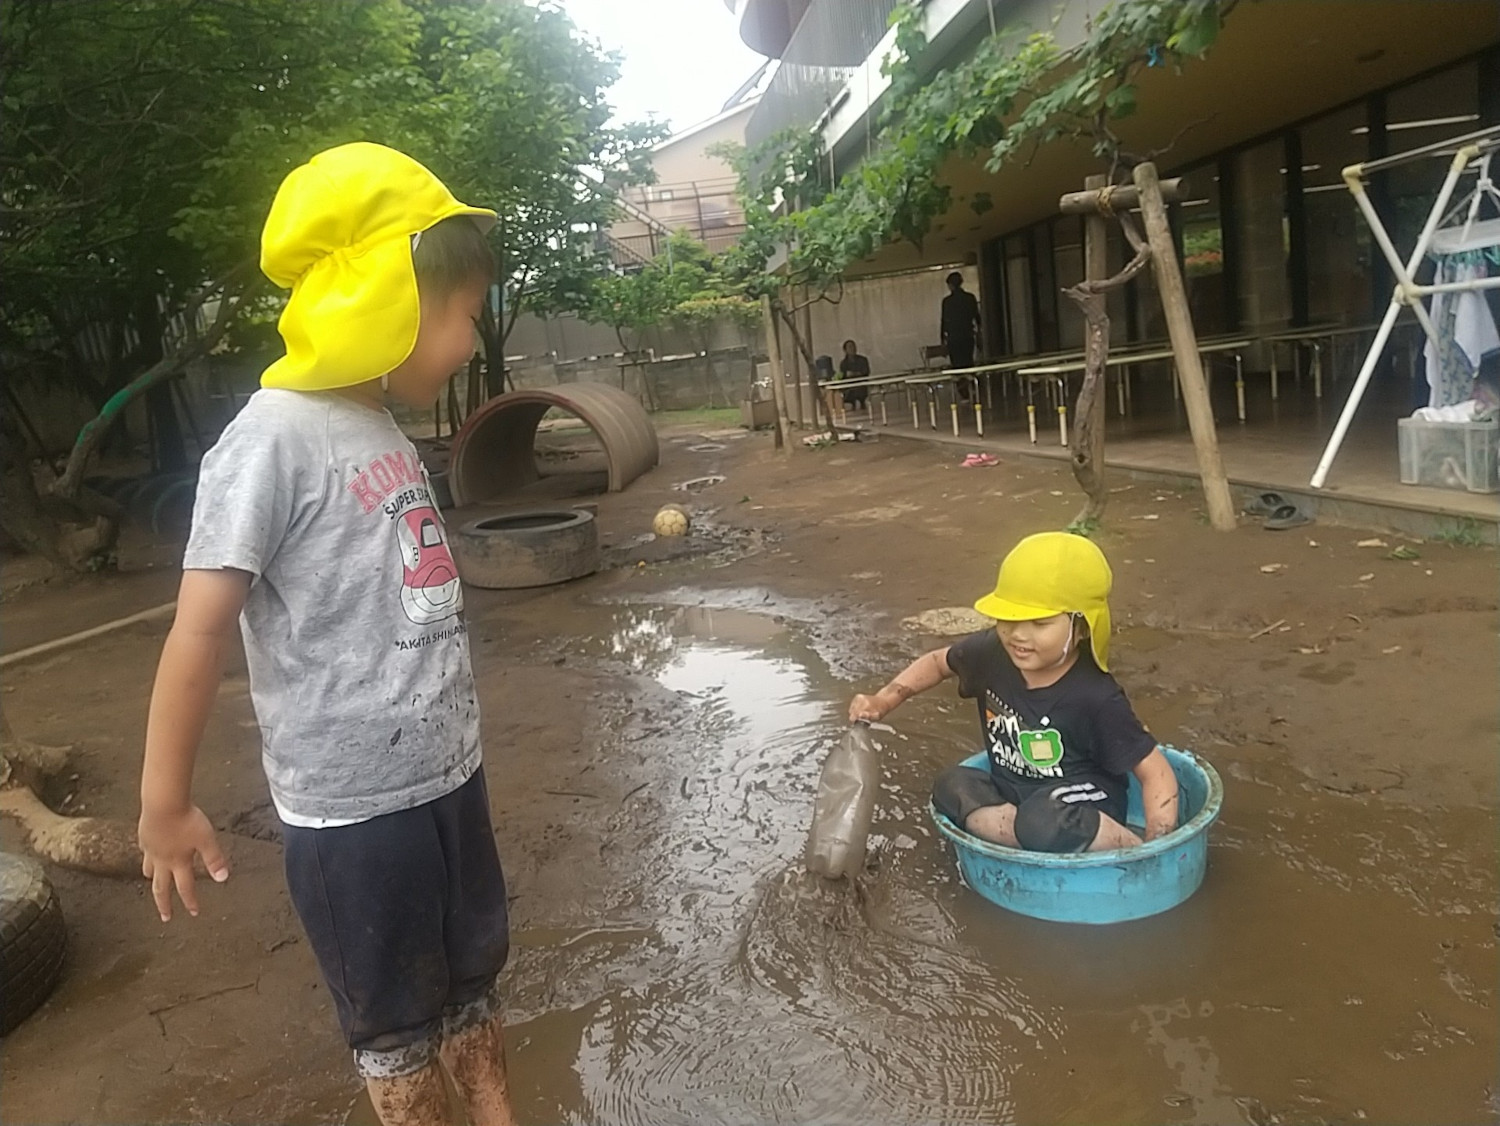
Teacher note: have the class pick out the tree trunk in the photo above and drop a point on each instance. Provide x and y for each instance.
(494, 353)
(1089, 412)
(778, 377)
(24, 516)
(1088, 416)
(168, 450)
(69, 485)
(454, 417)
(89, 844)
(789, 318)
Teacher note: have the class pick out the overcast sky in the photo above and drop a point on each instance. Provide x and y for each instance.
(680, 63)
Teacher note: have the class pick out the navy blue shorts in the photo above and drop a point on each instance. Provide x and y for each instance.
(1056, 815)
(406, 915)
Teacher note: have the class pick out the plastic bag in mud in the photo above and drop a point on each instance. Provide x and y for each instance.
(844, 806)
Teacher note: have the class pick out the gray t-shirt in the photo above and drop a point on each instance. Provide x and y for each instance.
(358, 655)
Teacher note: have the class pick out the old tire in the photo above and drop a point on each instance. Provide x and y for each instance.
(526, 549)
(32, 939)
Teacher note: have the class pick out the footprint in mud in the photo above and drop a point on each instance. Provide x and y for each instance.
(1324, 673)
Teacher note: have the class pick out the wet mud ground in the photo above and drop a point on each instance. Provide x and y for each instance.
(653, 738)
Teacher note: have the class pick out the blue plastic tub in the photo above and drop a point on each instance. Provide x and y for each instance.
(1100, 887)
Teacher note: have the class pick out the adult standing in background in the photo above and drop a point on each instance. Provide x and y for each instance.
(960, 328)
(960, 322)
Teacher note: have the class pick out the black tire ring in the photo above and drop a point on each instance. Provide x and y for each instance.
(527, 549)
(33, 939)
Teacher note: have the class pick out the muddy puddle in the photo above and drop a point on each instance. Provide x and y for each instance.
(1338, 965)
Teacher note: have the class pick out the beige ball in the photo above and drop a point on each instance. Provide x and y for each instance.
(670, 521)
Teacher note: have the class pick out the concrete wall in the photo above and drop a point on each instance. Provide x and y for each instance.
(890, 318)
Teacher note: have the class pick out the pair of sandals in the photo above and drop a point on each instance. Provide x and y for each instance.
(1279, 513)
(980, 461)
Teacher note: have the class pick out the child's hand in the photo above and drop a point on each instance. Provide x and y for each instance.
(169, 843)
(869, 708)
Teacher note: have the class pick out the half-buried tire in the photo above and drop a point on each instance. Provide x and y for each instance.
(526, 549)
(32, 939)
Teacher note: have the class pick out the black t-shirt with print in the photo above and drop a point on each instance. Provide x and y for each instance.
(1079, 726)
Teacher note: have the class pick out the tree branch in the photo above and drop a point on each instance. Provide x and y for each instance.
(231, 292)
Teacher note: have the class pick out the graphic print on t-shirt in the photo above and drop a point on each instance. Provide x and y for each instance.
(1031, 754)
(430, 590)
(396, 486)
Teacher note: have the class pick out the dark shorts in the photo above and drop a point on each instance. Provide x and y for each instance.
(406, 915)
(1058, 815)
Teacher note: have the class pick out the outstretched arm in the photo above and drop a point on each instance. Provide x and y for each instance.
(927, 671)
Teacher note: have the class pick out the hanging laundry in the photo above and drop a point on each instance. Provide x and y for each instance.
(1465, 328)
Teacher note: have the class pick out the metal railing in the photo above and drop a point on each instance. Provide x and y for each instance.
(631, 252)
(831, 42)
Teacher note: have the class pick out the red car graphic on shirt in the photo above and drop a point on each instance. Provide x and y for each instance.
(430, 589)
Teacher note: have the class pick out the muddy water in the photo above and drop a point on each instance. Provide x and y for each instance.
(1338, 965)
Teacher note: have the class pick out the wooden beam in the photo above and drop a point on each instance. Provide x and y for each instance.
(1185, 348)
(1121, 197)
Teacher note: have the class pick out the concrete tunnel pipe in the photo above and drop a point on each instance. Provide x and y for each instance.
(494, 451)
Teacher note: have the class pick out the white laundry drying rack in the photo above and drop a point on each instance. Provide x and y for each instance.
(1471, 149)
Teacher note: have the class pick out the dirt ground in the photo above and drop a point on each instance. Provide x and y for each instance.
(653, 736)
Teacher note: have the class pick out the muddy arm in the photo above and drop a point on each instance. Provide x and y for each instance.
(1158, 793)
(927, 671)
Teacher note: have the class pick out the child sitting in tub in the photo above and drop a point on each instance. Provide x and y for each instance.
(1059, 733)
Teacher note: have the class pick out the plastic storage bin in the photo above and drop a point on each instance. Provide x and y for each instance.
(1450, 455)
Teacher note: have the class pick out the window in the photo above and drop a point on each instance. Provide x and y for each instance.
(1199, 221)
(1068, 265)
(1046, 288)
(1337, 242)
(1434, 109)
(1019, 311)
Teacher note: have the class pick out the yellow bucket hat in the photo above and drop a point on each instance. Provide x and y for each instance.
(1054, 573)
(339, 237)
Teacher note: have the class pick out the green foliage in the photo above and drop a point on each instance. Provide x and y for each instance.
(1464, 532)
(684, 286)
(142, 142)
(1012, 94)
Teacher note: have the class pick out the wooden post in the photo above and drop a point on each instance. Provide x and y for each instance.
(1185, 348)
(778, 376)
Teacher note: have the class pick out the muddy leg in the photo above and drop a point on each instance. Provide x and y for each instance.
(1112, 835)
(995, 823)
(411, 1100)
(476, 1060)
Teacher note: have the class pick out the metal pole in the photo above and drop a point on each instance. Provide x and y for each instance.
(1401, 295)
(1365, 372)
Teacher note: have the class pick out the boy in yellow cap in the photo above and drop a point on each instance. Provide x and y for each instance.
(1059, 733)
(316, 531)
